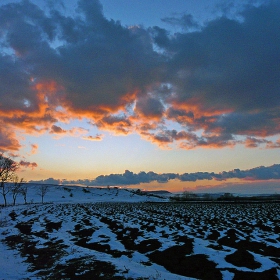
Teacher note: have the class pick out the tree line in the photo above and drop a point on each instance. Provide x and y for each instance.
(190, 196)
(11, 183)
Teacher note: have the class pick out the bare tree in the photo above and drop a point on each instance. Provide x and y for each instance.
(16, 187)
(24, 190)
(8, 168)
(43, 189)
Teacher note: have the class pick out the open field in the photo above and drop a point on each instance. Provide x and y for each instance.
(118, 240)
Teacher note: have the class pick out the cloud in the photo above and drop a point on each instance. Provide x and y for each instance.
(48, 181)
(57, 130)
(82, 148)
(101, 63)
(186, 21)
(252, 142)
(97, 137)
(34, 148)
(218, 84)
(189, 140)
(257, 187)
(8, 139)
(272, 145)
(86, 64)
(149, 107)
(120, 124)
(130, 178)
(169, 136)
(260, 173)
(27, 164)
(181, 116)
(228, 66)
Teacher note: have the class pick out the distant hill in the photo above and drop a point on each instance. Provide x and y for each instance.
(78, 194)
(159, 193)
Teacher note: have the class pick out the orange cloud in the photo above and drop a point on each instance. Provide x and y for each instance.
(252, 142)
(197, 107)
(34, 148)
(74, 132)
(97, 137)
(50, 106)
(8, 139)
(98, 110)
(40, 110)
(271, 145)
(142, 126)
(117, 124)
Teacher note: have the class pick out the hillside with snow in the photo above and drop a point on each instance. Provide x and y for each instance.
(114, 233)
(78, 194)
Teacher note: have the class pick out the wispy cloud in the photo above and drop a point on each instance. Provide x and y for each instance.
(97, 137)
(60, 132)
(27, 164)
(82, 147)
(34, 148)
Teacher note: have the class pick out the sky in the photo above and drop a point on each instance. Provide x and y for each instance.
(175, 95)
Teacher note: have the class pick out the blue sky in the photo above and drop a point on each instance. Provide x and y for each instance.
(93, 88)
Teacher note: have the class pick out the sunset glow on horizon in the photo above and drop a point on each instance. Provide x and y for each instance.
(150, 95)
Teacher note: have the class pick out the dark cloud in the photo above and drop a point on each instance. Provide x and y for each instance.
(51, 181)
(189, 140)
(186, 21)
(15, 89)
(169, 136)
(250, 123)
(230, 64)
(106, 63)
(221, 79)
(117, 123)
(252, 142)
(180, 115)
(57, 130)
(149, 107)
(130, 178)
(196, 176)
(96, 61)
(226, 76)
(257, 173)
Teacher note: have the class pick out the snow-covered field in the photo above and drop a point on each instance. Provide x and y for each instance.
(87, 233)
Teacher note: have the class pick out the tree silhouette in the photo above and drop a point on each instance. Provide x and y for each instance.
(16, 188)
(24, 190)
(8, 168)
(43, 189)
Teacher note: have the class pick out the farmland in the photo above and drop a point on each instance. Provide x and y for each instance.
(124, 240)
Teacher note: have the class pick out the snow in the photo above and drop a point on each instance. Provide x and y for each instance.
(95, 219)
